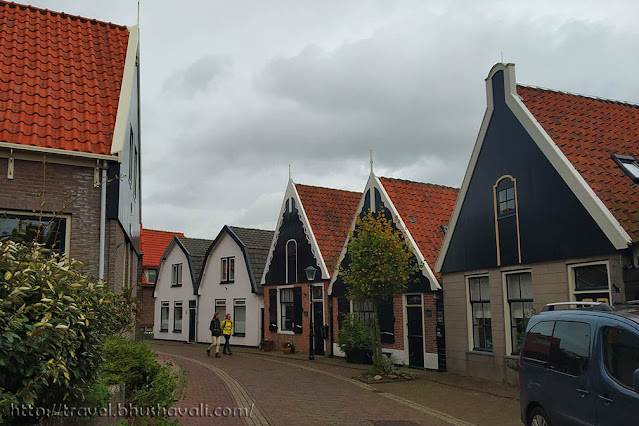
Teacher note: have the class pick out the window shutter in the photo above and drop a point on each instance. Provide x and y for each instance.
(343, 308)
(272, 310)
(386, 321)
(297, 310)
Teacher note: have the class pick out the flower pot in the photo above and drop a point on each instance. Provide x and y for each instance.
(359, 356)
(267, 346)
(287, 350)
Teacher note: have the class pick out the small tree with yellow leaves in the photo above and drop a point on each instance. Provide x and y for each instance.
(380, 267)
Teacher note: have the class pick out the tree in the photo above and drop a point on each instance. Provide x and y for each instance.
(381, 264)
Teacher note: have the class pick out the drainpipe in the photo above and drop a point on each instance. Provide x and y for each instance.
(102, 221)
(330, 309)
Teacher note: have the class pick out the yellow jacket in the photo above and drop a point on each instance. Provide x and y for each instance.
(227, 326)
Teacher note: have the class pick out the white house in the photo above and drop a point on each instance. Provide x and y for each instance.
(230, 283)
(176, 289)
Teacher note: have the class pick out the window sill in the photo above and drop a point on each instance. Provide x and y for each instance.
(239, 334)
(164, 331)
(176, 285)
(227, 282)
(286, 332)
(177, 331)
(484, 353)
(513, 357)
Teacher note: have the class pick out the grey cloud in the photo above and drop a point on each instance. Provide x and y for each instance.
(198, 76)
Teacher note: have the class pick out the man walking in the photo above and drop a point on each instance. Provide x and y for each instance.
(227, 327)
(216, 335)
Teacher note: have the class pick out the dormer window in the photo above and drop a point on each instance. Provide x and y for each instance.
(291, 261)
(629, 165)
(505, 197)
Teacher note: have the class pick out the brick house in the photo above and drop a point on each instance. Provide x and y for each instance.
(153, 243)
(548, 212)
(69, 114)
(420, 211)
(312, 225)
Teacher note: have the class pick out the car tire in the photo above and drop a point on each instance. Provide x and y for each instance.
(538, 417)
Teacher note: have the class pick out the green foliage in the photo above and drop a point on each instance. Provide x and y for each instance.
(53, 319)
(354, 335)
(385, 365)
(381, 266)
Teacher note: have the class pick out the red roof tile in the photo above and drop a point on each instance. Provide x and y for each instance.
(153, 244)
(588, 131)
(330, 213)
(60, 80)
(430, 206)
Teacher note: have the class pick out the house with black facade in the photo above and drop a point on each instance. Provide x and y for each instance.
(548, 212)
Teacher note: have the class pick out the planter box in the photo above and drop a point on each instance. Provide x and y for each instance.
(267, 346)
(287, 350)
(360, 356)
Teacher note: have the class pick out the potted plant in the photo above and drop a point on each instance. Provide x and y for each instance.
(356, 340)
(288, 347)
(266, 345)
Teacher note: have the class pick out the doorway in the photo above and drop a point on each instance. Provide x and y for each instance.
(192, 311)
(318, 319)
(415, 330)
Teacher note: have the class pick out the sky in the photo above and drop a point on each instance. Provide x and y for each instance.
(233, 92)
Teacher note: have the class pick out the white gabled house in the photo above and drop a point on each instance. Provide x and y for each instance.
(176, 289)
(230, 283)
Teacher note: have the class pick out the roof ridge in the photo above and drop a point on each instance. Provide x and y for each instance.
(159, 230)
(437, 185)
(325, 187)
(61, 14)
(250, 229)
(580, 95)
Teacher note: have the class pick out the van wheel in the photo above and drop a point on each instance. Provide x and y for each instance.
(538, 417)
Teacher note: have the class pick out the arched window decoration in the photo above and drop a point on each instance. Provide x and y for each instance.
(507, 221)
(291, 261)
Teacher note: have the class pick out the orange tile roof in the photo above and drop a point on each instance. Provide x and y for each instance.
(60, 80)
(153, 244)
(430, 206)
(330, 213)
(588, 131)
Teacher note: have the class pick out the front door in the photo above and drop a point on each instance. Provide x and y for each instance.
(191, 320)
(318, 319)
(441, 334)
(415, 330)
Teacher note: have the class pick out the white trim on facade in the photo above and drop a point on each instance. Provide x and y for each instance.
(507, 322)
(571, 279)
(469, 311)
(279, 310)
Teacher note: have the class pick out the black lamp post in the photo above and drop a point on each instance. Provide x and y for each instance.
(310, 275)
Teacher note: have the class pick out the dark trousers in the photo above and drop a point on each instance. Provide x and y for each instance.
(227, 347)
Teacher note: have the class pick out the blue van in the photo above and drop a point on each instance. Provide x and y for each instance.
(580, 366)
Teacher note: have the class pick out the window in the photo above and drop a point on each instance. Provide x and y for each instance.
(480, 309)
(291, 261)
(164, 317)
(49, 232)
(153, 275)
(220, 306)
(286, 309)
(520, 306)
(228, 269)
(621, 354)
(629, 165)
(591, 283)
(537, 345)
(239, 313)
(570, 347)
(365, 310)
(176, 275)
(318, 291)
(505, 197)
(177, 317)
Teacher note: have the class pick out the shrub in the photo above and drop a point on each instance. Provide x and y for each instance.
(53, 319)
(354, 335)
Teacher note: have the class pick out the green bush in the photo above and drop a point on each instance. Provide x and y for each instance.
(53, 319)
(354, 335)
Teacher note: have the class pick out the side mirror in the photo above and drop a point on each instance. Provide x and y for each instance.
(635, 380)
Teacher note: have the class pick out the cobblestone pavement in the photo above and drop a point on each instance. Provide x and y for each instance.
(279, 390)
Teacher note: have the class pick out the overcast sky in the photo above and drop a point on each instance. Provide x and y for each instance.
(234, 91)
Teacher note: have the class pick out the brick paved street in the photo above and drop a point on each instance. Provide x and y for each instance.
(288, 390)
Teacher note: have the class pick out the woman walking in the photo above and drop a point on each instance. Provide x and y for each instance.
(216, 335)
(227, 328)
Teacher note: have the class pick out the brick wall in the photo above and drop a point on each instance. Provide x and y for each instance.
(147, 307)
(67, 189)
(430, 323)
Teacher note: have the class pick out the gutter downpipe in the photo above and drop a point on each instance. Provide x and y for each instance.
(103, 189)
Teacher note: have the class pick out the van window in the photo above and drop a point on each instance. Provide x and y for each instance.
(570, 347)
(621, 354)
(537, 345)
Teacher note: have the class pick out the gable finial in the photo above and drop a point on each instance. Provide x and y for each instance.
(502, 56)
(138, 13)
(371, 160)
(290, 176)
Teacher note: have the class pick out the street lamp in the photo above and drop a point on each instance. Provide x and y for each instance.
(310, 276)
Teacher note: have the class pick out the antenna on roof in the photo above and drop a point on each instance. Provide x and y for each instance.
(289, 172)
(138, 13)
(502, 57)
(371, 160)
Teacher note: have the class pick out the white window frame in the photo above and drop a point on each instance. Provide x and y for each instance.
(507, 322)
(176, 275)
(279, 310)
(220, 303)
(165, 304)
(178, 304)
(469, 313)
(241, 302)
(225, 270)
(571, 279)
(286, 256)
